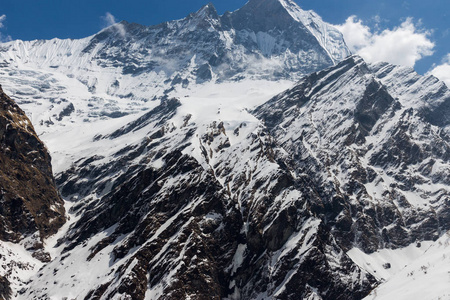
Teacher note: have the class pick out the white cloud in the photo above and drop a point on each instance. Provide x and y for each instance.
(356, 35)
(3, 38)
(109, 20)
(402, 45)
(442, 71)
(2, 19)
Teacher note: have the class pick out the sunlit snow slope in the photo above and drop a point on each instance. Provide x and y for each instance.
(425, 277)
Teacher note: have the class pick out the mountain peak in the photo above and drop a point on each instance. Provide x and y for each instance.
(286, 16)
(262, 15)
(207, 11)
(285, 3)
(272, 6)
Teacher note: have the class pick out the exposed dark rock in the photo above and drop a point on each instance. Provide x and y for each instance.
(204, 73)
(391, 220)
(67, 111)
(159, 114)
(5, 289)
(28, 196)
(375, 102)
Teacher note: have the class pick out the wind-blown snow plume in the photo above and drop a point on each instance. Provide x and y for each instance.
(2, 19)
(109, 20)
(402, 45)
(3, 38)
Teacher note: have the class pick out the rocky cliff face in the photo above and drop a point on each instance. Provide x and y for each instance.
(379, 149)
(30, 203)
(30, 206)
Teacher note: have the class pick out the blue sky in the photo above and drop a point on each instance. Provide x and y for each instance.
(45, 19)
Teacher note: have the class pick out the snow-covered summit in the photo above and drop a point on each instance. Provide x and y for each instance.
(269, 39)
(118, 70)
(283, 14)
(286, 15)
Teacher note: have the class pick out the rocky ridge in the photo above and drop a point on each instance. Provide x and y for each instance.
(30, 202)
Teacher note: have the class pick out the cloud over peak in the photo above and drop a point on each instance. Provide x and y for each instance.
(3, 38)
(442, 71)
(402, 45)
(2, 19)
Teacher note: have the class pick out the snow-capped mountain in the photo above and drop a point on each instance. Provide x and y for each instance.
(197, 161)
(119, 69)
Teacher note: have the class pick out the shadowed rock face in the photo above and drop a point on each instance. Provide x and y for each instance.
(262, 16)
(368, 150)
(29, 201)
(5, 289)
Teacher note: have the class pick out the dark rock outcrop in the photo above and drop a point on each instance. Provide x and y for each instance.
(5, 289)
(29, 201)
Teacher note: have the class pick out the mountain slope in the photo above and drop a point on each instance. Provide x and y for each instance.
(427, 277)
(30, 206)
(257, 208)
(189, 169)
(212, 224)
